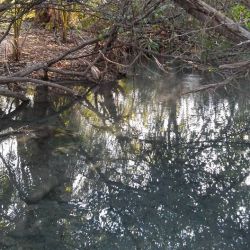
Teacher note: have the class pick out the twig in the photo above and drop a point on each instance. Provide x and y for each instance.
(119, 64)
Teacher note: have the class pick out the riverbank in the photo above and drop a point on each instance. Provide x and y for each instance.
(46, 59)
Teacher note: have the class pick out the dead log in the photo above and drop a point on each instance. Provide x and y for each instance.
(215, 19)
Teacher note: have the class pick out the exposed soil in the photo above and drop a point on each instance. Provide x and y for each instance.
(39, 45)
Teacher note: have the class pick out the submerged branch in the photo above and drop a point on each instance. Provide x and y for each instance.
(6, 80)
(209, 86)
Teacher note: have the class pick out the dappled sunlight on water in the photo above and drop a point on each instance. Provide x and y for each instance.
(131, 167)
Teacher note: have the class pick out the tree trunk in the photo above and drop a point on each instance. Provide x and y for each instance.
(214, 18)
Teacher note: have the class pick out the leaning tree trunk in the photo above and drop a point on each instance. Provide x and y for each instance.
(214, 18)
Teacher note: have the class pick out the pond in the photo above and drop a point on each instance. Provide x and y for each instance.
(134, 166)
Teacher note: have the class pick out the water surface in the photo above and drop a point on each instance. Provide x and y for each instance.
(133, 167)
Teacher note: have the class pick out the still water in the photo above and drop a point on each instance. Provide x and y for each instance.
(136, 166)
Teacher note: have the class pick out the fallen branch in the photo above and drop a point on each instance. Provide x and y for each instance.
(66, 72)
(235, 65)
(214, 18)
(52, 61)
(8, 93)
(20, 131)
(209, 86)
(243, 43)
(6, 80)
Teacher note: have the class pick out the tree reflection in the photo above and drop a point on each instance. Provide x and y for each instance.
(145, 171)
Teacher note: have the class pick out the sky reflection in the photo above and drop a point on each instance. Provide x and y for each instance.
(142, 168)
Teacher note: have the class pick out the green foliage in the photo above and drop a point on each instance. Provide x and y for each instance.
(161, 11)
(241, 14)
(150, 44)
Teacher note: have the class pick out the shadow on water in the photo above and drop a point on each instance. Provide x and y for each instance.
(133, 166)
